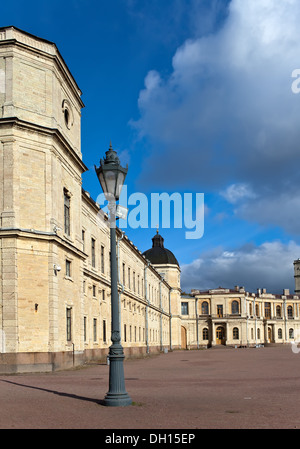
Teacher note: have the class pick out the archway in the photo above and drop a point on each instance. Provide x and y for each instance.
(270, 334)
(220, 335)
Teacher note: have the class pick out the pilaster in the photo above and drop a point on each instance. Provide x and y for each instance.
(7, 181)
(9, 296)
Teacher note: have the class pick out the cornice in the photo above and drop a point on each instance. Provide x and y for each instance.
(41, 235)
(15, 121)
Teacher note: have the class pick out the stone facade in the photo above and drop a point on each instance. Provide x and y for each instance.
(234, 317)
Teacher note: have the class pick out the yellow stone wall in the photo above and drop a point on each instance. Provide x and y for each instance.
(40, 159)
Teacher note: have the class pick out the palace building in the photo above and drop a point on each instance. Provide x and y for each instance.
(235, 317)
(55, 244)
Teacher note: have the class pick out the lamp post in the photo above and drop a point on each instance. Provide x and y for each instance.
(111, 177)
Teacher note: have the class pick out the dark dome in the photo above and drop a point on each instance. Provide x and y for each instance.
(158, 254)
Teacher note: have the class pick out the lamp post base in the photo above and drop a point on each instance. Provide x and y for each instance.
(117, 400)
(117, 395)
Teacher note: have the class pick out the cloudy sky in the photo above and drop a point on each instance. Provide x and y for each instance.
(197, 96)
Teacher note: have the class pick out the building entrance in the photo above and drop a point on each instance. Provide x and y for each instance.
(269, 334)
(220, 335)
(183, 338)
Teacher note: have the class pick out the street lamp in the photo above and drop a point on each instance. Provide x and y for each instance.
(111, 177)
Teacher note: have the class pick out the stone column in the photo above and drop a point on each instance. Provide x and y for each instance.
(213, 334)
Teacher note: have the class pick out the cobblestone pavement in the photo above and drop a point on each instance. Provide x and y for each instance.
(253, 388)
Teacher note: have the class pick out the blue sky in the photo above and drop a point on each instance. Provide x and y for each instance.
(196, 96)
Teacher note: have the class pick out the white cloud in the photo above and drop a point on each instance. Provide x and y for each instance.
(281, 210)
(269, 265)
(227, 114)
(237, 192)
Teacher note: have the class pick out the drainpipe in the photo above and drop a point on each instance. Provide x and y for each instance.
(160, 305)
(255, 322)
(147, 306)
(247, 317)
(171, 347)
(285, 323)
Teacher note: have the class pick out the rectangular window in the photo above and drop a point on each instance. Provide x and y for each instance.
(84, 328)
(102, 259)
(93, 252)
(220, 311)
(125, 336)
(184, 308)
(104, 330)
(94, 291)
(83, 239)
(95, 328)
(103, 295)
(128, 277)
(267, 310)
(133, 280)
(68, 268)
(138, 284)
(124, 274)
(69, 323)
(66, 212)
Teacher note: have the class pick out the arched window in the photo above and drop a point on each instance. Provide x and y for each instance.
(250, 309)
(205, 333)
(279, 333)
(256, 309)
(205, 308)
(278, 311)
(291, 333)
(290, 311)
(235, 333)
(234, 307)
